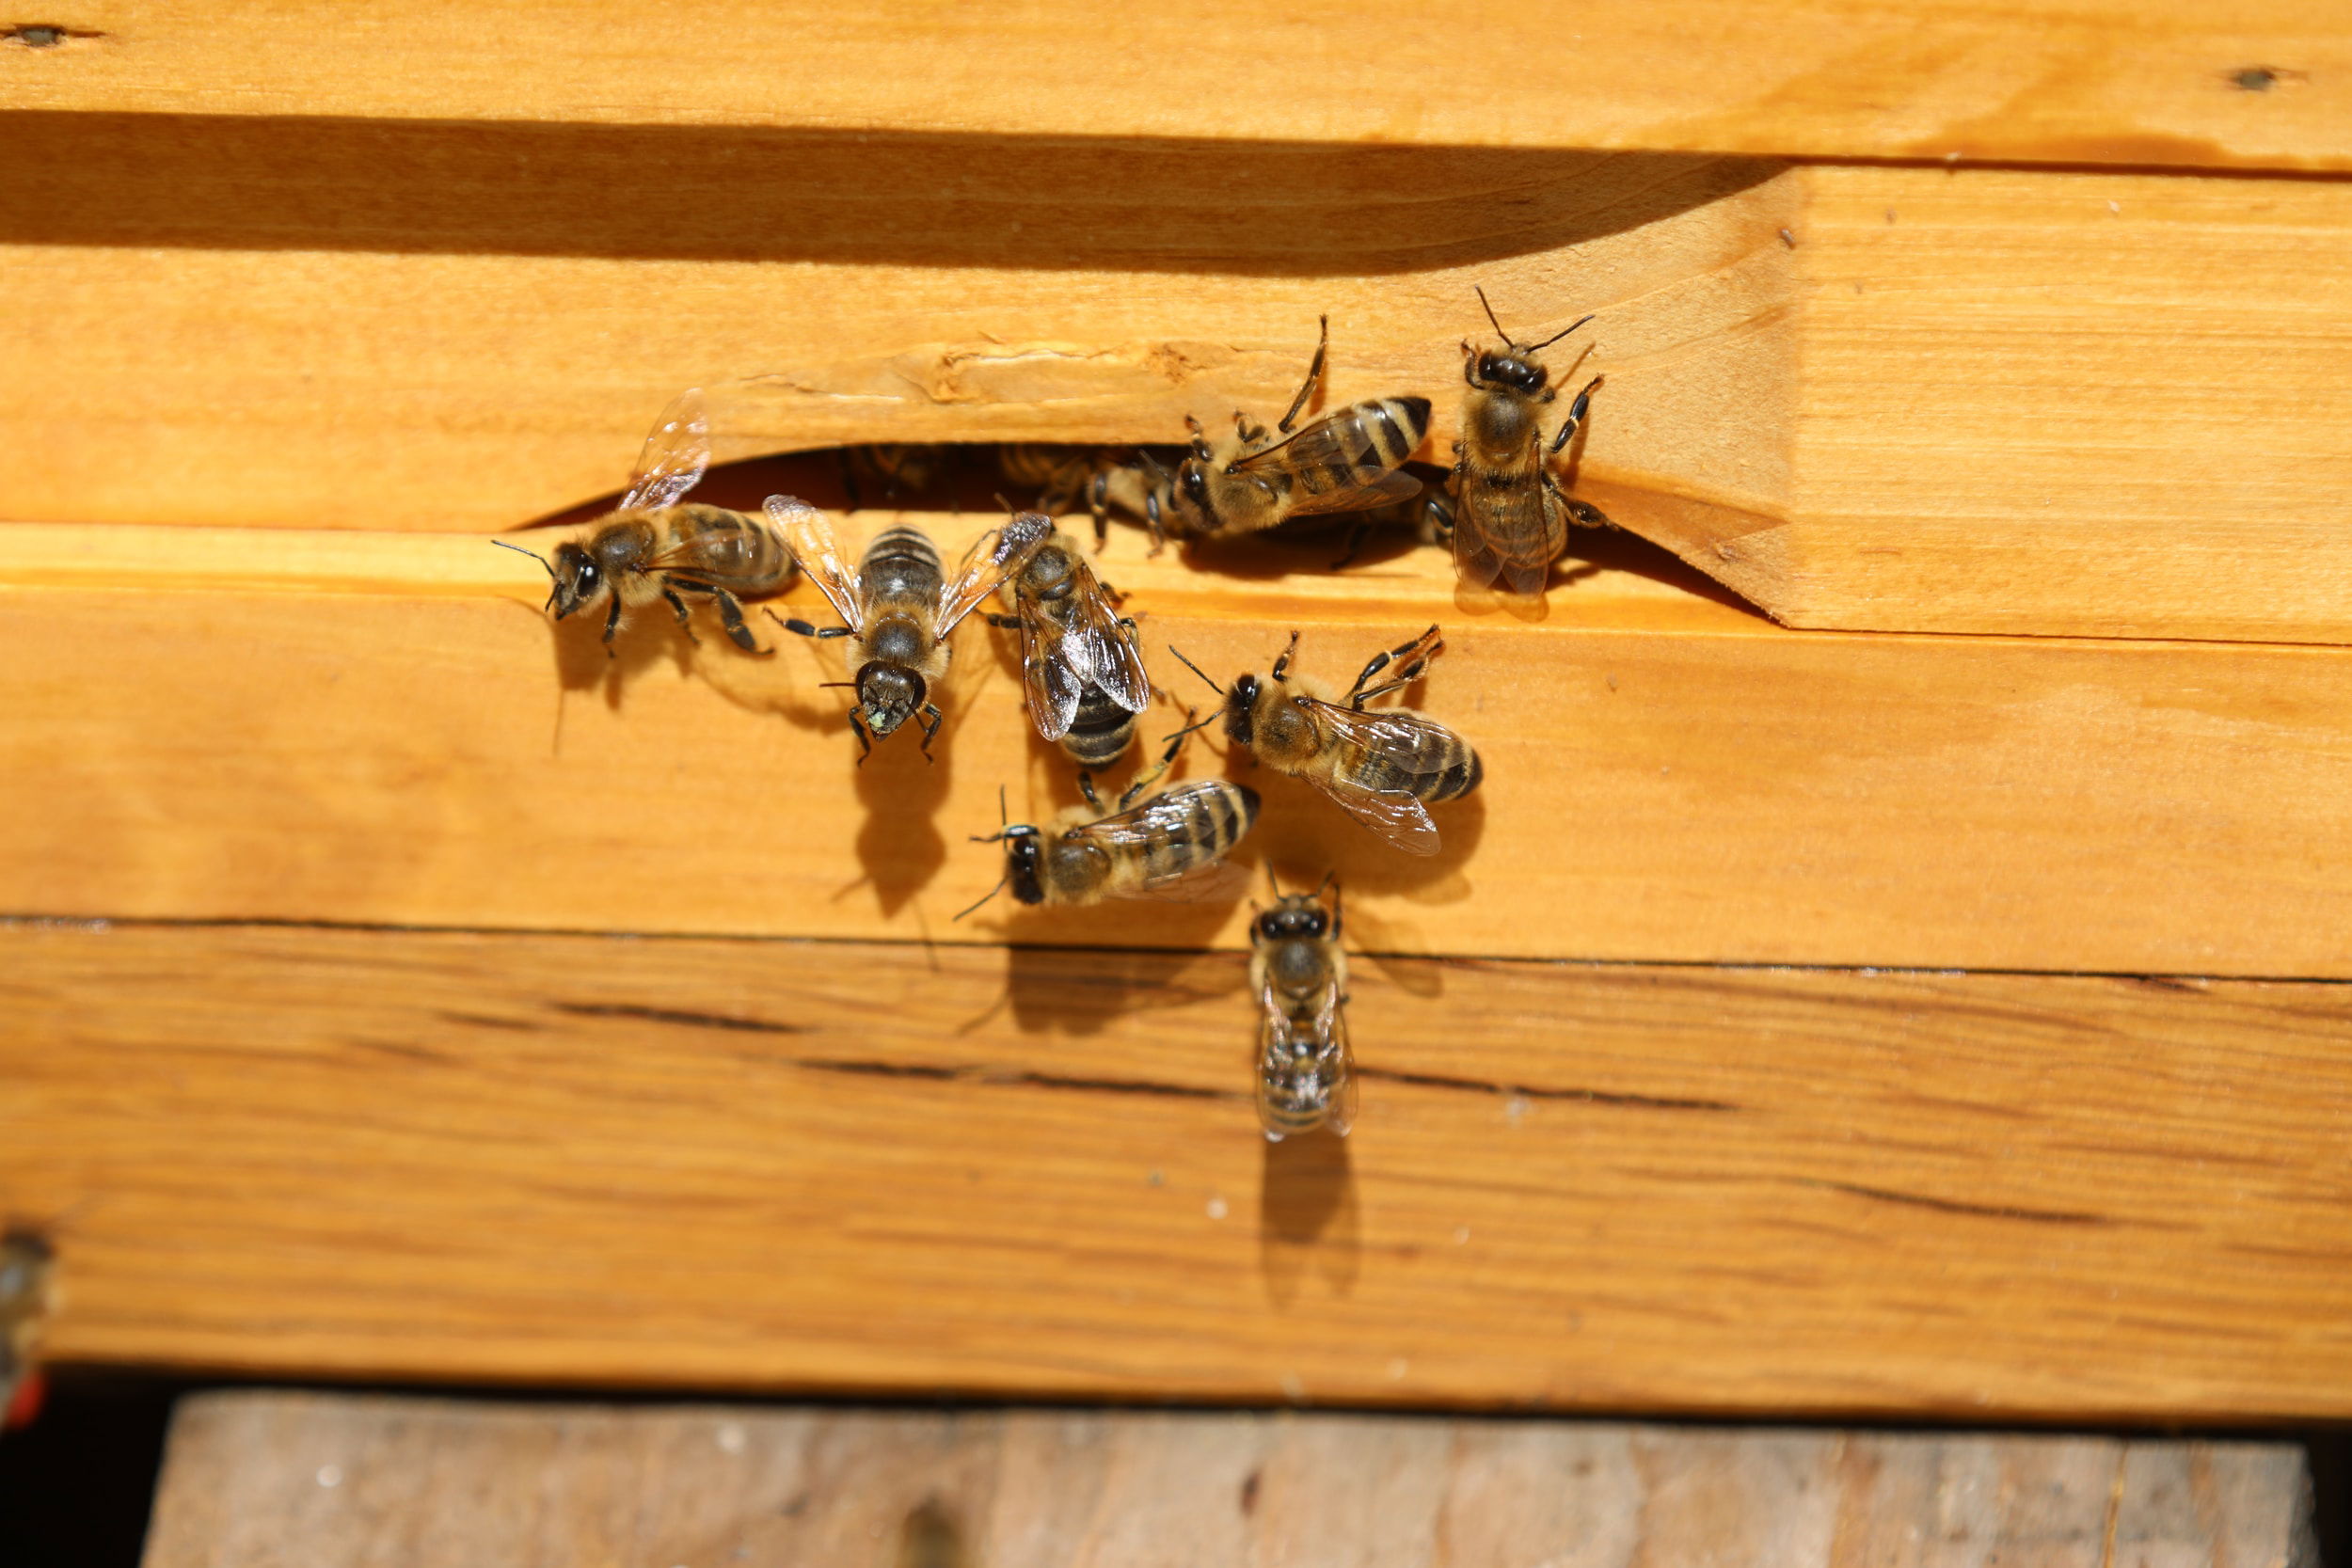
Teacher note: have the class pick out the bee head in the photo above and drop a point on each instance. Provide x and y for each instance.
(1509, 369)
(577, 579)
(1241, 707)
(1292, 919)
(1192, 489)
(887, 696)
(1022, 850)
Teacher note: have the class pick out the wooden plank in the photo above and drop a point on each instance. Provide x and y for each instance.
(851, 1166)
(379, 327)
(2077, 404)
(256, 1477)
(2094, 81)
(394, 734)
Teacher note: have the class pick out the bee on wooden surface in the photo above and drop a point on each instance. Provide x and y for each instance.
(653, 546)
(25, 1263)
(1386, 767)
(1300, 975)
(898, 607)
(1132, 482)
(1511, 521)
(1343, 462)
(1081, 671)
(1172, 846)
(889, 469)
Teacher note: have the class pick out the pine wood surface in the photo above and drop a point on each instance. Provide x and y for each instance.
(2142, 82)
(256, 1479)
(854, 1166)
(394, 732)
(1964, 401)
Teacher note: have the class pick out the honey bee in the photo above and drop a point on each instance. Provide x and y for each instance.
(1342, 461)
(1386, 767)
(892, 468)
(652, 547)
(1107, 479)
(1172, 846)
(1512, 519)
(26, 1262)
(1300, 975)
(1080, 669)
(897, 605)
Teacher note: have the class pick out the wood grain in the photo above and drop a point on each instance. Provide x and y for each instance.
(846, 1166)
(389, 730)
(329, 1481)
(2140, 82)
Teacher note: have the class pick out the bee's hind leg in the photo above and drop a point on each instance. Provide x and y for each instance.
(931, 718)
(731, 617)
(1411, 659)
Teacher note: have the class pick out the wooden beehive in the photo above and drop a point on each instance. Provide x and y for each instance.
(1896, 965)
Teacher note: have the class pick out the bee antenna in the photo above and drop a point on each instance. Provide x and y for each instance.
(1152, 463)
(1270, 882)
(1004, 818)
(1195, 669)
(990, 894)
(1490, 316)
(1188, 729)
(850, 684)
(1557, 336)
(534, 554)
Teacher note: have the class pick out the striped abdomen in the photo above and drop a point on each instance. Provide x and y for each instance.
(722, 548)
(1175, 834)
(1435, 765)
(1101, 733)
(1360, 442)
(901, 570)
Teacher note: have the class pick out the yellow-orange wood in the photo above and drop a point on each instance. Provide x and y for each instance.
(1863, 397)
(869, 1167)
(393, 731)
(2096, 81)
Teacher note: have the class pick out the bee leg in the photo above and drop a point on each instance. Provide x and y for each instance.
(1150, 775)
(802, 628)
(865, 740)
(1355, 547)
(1411, 658)
(1086, 788)
(1099, 505)
(611, 623)
(1003, 623)
(1314, 374)
(931, 718)
(1283, 665)
(684, 623)
(1152, 520)
(731, 617)
(1569, 426)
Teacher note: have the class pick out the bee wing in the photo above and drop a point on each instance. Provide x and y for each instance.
(1409, 743)
(1106, 649)
(675, 455)
(1336, 440)
(992, 555)
(1508, 538)
(1380, 490)
(809, 537)
(1343, 1112)
(1048, 679)
(1154, 822)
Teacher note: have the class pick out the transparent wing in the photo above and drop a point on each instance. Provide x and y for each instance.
(1100, 649)
(809, 537)
(675, 456)
(1336, 440)
(1379, 490)
(992, 556)
(1048, 680)
(1343, 1112)
(1329, 1036)
(1218, 882)
(1416, 747)
(1512, 537)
